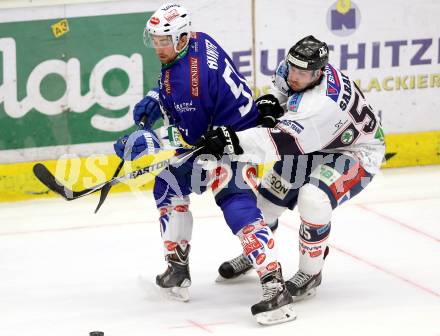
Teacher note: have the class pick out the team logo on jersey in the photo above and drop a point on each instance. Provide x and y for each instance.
(293, 103)
(347, 137)
(194, 76)
(343, 17)
(333, 83)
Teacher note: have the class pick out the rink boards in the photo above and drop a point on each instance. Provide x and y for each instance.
(70, 73)
(17, 181)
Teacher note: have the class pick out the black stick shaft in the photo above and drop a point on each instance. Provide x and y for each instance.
(105, 191)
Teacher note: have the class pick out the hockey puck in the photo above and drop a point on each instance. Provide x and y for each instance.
(96, 333)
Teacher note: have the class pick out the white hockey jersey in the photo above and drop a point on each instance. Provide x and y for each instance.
(331, 117)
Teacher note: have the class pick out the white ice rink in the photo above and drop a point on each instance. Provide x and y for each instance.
(65, 271)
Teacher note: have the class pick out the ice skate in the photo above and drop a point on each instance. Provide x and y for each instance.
(174, 282)
(234, 268)
(303, 286)
(277, 304)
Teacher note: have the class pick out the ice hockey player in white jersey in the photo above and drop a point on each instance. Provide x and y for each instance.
(327, 142)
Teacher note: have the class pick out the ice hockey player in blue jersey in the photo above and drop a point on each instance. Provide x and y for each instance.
(199, 90)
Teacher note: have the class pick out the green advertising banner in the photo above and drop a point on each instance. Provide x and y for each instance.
(72, 80)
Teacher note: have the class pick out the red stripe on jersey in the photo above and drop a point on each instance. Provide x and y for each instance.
(335, 75)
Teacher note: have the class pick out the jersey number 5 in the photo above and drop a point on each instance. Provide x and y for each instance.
(237, 90)
(360, 113)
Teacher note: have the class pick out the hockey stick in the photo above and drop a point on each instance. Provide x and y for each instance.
(49, 180)
(106, 189)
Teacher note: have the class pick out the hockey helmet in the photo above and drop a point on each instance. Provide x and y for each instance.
(308, 54)
(170, 19)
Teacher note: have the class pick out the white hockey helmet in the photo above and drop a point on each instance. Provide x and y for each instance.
(170, 19)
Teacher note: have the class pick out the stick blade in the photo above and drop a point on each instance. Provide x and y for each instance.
(104, 192)
(45, 176)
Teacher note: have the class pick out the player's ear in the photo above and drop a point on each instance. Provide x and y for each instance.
(182, 41)
(317, 74)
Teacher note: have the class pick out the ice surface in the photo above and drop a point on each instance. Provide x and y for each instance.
(65, 271)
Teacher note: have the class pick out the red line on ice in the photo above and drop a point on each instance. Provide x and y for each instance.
(194, 324)
(390, 219)
(371, 264)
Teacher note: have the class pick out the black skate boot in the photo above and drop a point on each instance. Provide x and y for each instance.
(233, 268)
(176, 279)
(239, 265)
(303, 286)
(277, 304)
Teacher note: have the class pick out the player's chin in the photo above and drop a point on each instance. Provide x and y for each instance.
(296, 87)
(163, 58)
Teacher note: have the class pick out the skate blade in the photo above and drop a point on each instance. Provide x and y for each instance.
(281, 315)
(222, 279)
(308, 295)
(176, 293)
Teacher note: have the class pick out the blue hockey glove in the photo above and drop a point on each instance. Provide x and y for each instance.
(139, 143)
(148, 106)
(119, 146)
(222, 140)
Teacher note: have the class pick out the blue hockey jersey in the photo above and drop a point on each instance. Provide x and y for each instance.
(203, 89)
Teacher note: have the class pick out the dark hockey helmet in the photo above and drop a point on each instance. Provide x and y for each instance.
(308, 54)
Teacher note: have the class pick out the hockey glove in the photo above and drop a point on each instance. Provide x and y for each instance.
(269, 110)
(222, 140)
(148, 106)
(139, 143)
